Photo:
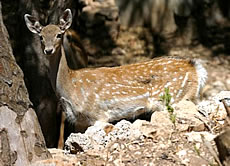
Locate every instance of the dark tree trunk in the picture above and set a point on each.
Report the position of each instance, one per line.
(21, 139)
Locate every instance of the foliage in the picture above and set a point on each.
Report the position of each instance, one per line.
(166, 99)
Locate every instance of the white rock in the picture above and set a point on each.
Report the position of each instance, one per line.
(182, 153)
(214, 109)
(187, 117)
(196, 136)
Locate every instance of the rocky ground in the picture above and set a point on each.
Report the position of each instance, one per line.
(158, 141)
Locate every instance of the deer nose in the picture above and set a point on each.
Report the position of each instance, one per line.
(48, 51)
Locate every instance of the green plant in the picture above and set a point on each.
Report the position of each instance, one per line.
(197, 150)
(166, 99)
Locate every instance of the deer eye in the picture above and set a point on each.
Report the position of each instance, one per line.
(59, 36)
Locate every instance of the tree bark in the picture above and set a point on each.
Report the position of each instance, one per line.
(21, 139)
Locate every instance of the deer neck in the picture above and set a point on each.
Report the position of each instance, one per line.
(58, 66)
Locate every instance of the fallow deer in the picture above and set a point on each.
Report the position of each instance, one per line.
(77, 58)
(110, 94)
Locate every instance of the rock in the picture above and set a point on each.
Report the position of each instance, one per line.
(223, 95)
(206, 107)
(78, 140)
(159, 127)
(214, 108)
(146, 128)
(162, 118)
(99, 136)
(56, 152)
(162, 123)
(183, 155)
(187, 117)
(196, 136)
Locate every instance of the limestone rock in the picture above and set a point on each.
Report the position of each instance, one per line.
(146, 128)
(196, 136)
(223, 95)
(99, 136)
(214, 108)
(187, 117)
(161, 122)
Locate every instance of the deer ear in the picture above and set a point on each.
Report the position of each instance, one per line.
(65, 20)
(32, 24)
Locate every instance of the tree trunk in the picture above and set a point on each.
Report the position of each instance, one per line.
(21, 139)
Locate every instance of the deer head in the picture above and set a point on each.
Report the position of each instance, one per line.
(50, 35)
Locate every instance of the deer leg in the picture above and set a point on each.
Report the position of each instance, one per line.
(62, 128)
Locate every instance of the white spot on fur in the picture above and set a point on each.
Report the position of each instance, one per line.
(87, 80)
(174, 79)
(136, 71)
(116, 93)
(94, 74)
(108, 85)
(156, 92)
(181, 77)
(185, 80)
(140, 96)
(168, 84)
(124, 93)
